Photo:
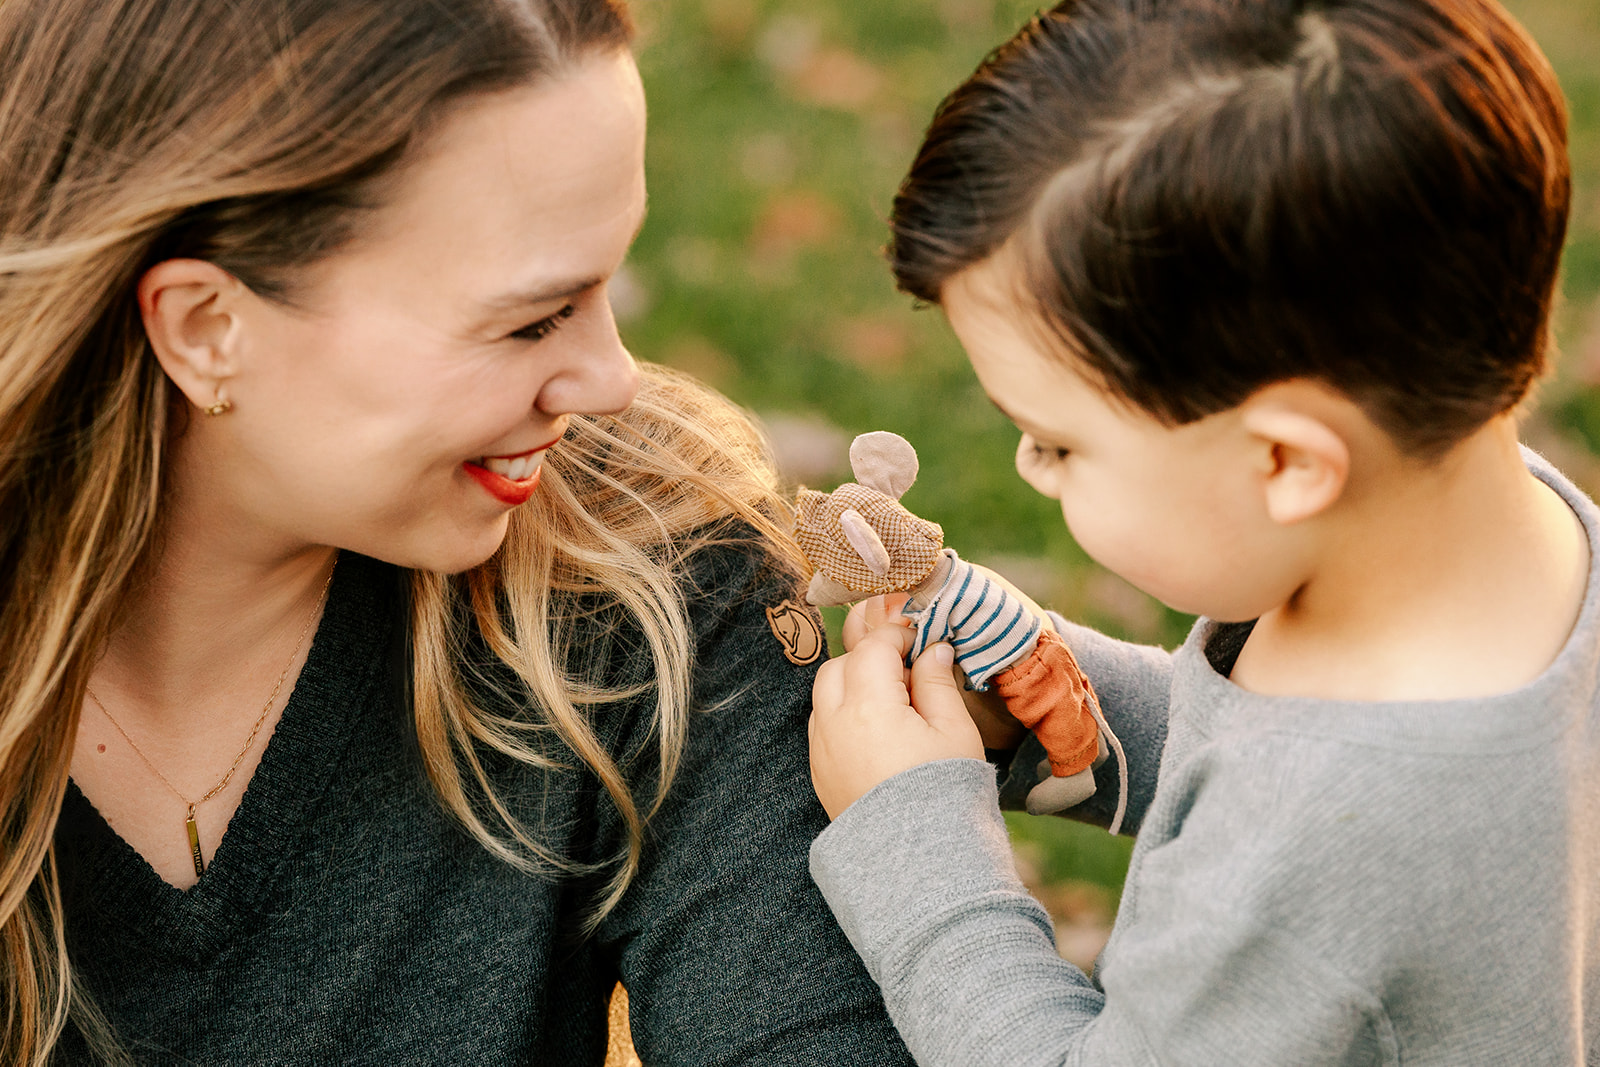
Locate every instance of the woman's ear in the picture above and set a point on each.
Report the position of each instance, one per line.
(1304, 459)
(191, 313)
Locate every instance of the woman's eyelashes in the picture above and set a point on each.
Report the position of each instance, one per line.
(538, 331)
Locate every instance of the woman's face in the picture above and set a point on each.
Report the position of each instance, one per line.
(400, 405)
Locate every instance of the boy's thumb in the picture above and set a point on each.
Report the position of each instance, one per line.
(934, 692)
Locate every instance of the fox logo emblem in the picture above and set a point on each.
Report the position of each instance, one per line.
(797, 632)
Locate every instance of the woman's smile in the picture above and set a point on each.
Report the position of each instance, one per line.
(510, 479)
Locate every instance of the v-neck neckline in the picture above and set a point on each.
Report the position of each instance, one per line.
(344, 672)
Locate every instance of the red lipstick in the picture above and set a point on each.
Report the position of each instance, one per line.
(503, 489)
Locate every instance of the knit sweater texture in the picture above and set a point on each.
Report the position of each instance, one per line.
(346, 919)
(1315, 882)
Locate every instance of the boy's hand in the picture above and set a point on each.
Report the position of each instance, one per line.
(872, 719)
(998, 728)
(871, 613)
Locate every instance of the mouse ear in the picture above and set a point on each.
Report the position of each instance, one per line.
(864, 539)
(884, 461)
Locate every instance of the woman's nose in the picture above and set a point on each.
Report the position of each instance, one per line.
(610, 381)
(600, 377)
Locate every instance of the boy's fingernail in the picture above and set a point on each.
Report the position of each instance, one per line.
(943, 655)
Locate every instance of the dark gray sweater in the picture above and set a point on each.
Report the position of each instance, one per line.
(345, 919)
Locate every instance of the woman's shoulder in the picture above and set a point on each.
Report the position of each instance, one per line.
(728, 565)
(749, 616)
(744, 605)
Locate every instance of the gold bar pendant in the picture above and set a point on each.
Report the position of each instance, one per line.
(194, 843)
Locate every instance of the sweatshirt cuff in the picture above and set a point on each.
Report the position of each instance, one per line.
(925, 837)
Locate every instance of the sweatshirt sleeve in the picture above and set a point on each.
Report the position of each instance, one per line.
(727, 949)
(1133, 684)
(920, 875)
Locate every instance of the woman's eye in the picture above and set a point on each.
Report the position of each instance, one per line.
(538, 331)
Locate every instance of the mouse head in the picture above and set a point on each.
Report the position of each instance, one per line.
(859, 538)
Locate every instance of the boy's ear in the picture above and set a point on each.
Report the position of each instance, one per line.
(191, 312)
(1304, 459)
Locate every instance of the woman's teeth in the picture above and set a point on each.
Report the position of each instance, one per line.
(515, 469)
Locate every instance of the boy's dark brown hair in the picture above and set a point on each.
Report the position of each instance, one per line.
(1207, 196)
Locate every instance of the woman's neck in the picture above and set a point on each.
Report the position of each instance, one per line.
(1453, 580)
(192, 684)
(212, 625)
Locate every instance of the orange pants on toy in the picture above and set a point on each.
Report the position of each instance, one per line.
(1047, 692)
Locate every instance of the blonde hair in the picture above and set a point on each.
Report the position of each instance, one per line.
(255, 135)
(625, 500)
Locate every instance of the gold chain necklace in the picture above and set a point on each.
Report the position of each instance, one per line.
(249, 743)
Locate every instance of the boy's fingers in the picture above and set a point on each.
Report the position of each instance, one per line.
(887, 609)
(872, 613)
(872, 675)
(895, 634)
(887, 644)
(855, 625)
(827, 688)
(935, 694)
(874, 671)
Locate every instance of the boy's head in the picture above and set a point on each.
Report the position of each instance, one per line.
(1205, 197)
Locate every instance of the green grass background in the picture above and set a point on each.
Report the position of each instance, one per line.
(779, 130)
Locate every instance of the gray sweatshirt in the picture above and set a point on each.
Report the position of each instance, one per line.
(1315, 882)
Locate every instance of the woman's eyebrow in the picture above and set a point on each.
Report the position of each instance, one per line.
(541, 294)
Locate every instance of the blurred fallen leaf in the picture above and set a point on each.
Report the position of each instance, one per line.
(965, 16)
(892, 136)
(631, 298)
(824, 75)
(694, 259)
(834, 77)
(794, 220)
(877, 342)
(731, 22)
(788, 42)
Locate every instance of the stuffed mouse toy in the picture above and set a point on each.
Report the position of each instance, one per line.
(863, 542)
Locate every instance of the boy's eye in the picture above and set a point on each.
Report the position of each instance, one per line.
(1047, 453)
(538, 331)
